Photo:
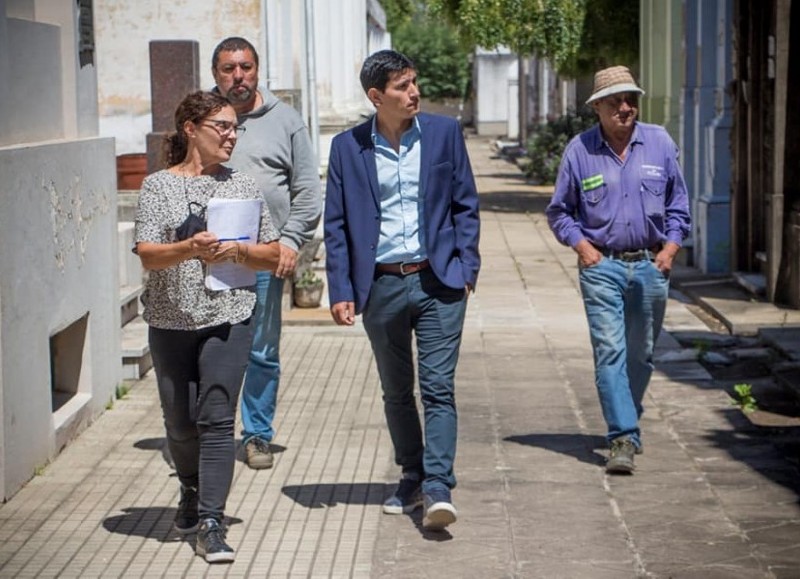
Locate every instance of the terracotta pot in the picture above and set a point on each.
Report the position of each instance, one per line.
(131, 170)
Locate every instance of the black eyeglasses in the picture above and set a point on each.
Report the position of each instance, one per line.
(226, 127)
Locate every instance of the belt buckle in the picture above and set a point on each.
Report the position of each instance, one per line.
(402, 266)
(636, 255)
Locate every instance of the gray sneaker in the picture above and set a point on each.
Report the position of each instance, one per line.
(259, 454)
(620, 459)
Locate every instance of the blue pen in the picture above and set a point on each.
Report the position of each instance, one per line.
(244, 237)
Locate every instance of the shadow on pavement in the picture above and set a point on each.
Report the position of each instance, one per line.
(159, 444)
(772, 452)
(515, 202)
(582, 447)
(316, 496)
(150, 523)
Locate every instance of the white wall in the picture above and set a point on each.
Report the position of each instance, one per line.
(33, 111)
(494, 72)
(123, 33)
(58, 213)
(59, 199)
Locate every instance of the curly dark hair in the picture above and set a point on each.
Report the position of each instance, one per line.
(194, 107)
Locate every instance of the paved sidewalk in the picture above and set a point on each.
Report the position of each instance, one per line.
(712, 497)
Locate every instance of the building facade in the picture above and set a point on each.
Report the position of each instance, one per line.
(321, 67)
(719, 76)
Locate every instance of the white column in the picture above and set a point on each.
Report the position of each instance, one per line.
(341, 47)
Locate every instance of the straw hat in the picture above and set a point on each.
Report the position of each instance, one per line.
(613, 80)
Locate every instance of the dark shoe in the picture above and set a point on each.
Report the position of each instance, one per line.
(405, 499)
(439, 509)
(186, 518)
(620, 459)
(211, 543)
(259, 454)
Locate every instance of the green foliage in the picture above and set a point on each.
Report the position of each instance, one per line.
(434, 45)
(547, 143)
(577, 36)
(610, 36)
(308, 279)
(550, 29)
(443, 67)
(122, 390)
(399, 12)
(744, 399)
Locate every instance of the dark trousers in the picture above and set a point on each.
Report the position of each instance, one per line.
(199, 376)
(418, 303)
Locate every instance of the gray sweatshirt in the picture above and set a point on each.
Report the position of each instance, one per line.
(276, 151)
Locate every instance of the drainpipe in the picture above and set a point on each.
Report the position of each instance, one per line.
(311, 64)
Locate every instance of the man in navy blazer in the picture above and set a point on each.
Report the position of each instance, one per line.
(401, 236)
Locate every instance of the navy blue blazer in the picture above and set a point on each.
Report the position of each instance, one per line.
(352, 209)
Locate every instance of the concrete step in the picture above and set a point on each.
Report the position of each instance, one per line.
(131, 272)
(136, 358)
(129, 302)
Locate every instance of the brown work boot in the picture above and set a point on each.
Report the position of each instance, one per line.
(259, 454)
(620, 460)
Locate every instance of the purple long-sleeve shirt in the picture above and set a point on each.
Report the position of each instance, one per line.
(621, 205)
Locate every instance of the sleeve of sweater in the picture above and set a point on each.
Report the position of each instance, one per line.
(306, 197)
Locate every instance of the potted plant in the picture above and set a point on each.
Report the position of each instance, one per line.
(308, 289)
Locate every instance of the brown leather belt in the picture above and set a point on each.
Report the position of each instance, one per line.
(403, 268)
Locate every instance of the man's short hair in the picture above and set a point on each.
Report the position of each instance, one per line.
(380, 66)
(232, 44)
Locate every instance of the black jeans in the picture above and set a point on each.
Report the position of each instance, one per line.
(199, 376)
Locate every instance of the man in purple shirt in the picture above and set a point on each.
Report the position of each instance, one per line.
(620, 202)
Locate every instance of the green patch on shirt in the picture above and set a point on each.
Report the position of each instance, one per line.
(592, 182)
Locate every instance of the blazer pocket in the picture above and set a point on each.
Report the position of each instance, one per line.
(442, 172)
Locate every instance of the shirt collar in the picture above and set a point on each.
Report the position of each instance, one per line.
(415, 129)
(598, 142)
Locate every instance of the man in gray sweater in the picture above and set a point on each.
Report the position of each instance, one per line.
(275, 149)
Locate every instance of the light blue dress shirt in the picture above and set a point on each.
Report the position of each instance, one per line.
(402, 236)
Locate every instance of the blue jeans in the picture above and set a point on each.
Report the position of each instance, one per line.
(625, 304)
(260, 390)
(419, 303)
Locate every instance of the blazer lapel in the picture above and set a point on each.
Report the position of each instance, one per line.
(426, 142)
(363, 134)
(371, 168)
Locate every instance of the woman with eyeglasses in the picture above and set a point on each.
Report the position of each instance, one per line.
(199, 338)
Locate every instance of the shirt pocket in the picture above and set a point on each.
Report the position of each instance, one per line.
(594, 195)
(653, 189)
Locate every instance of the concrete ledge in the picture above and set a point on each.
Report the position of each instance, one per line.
(71, 419)
(129, 303)
(136, 358)
(739, 310)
